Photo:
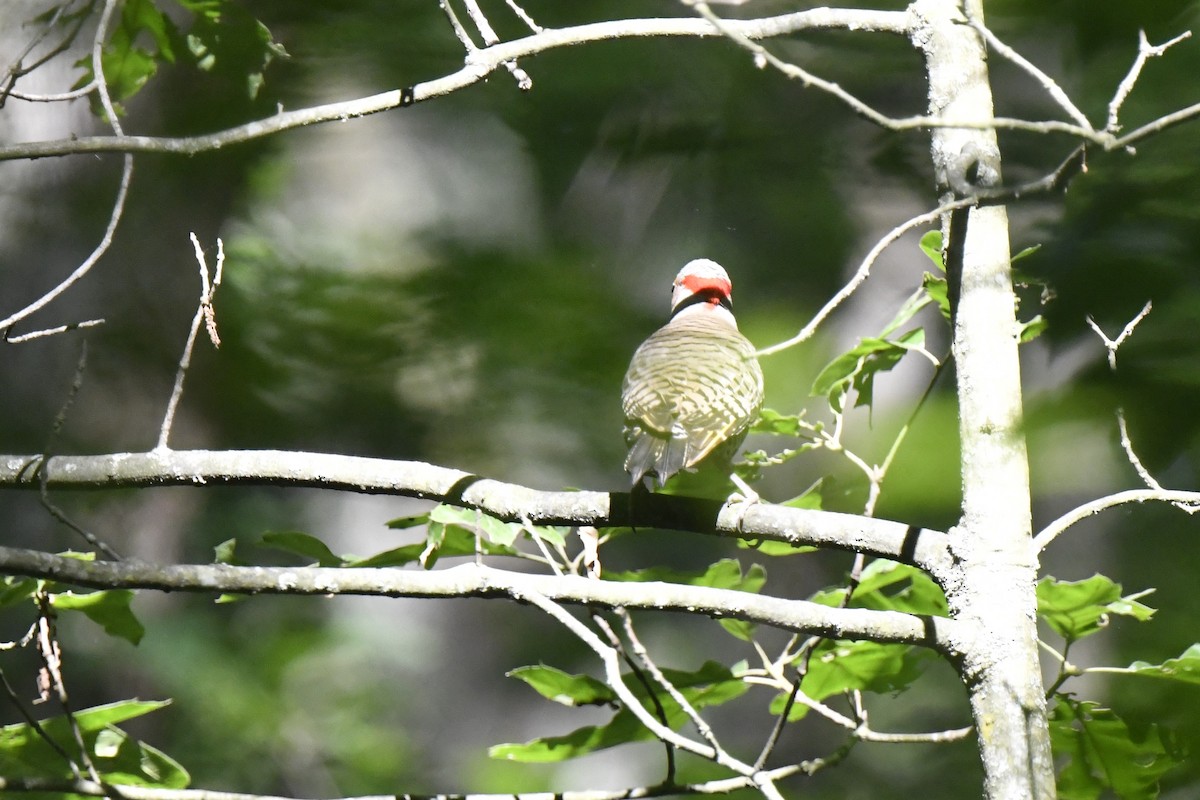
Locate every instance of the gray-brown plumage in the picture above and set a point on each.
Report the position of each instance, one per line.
(694, 387)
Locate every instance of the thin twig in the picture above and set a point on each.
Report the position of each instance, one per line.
(524, 16)
(71, 326)
(205, 314)
(1146, 51)
(100, 249)
(51, 655)
(1049, 84)
(524, 82)
(703, 728)
(640, 674)
(863, 271)
(457, 26)
(56, 427)
(1112, 345)
(36, 726)
(1188, 501)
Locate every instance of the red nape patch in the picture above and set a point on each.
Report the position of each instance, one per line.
(697, 284)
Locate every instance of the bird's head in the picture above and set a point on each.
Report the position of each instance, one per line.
(702, 286)
(701, 282)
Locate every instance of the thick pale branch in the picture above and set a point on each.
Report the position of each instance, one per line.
(478, 65)
(475, 580)
(129, 792)
(920, 547)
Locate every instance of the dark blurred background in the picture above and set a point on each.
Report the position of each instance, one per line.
(463, 282)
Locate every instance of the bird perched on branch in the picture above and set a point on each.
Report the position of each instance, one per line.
(694, 387)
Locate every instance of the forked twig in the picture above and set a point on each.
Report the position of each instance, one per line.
(205, 314)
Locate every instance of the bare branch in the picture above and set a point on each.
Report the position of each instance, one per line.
(479, 64)
(1178, 498)
(864, 270)
(1112, 345)
(90, 261)
(524, 82)
(920, 547)
(477, 580)
(57, 329)
(1146, 51)
(1049, 84)
(524, 16)
(1157, 126)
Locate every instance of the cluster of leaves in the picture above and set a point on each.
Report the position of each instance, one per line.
(47, 750)
(1100, 751)
(223, 37)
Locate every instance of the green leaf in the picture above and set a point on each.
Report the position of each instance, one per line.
(226, 553)
(561, 687)
(931, 245)
(1028, 251)
(724, 574)
(713, 684)
(1033, 328)
(478, 523)
(938, 291)
(857, 367)
(450, 541)
(771, 421)
(839, 666)
(404, 523)
(1075, 609)
(226, 39)
(917, 301)
(108, 609)
(914, 591)
(15, 590)
(1185, 669)
(303, 545)
(396, 557)
(118, 758)
(1103, 754)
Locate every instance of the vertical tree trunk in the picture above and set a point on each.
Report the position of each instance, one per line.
(992, 541)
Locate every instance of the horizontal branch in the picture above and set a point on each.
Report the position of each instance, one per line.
(131, 792)
(923, 548)
(479, 63)
(476, 580)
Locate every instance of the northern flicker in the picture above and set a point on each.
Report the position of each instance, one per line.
(694, 387)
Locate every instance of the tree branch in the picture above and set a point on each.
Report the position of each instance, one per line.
(478, 64)
(130, 792)
(920, 547)
(1185, 501)
(477, 580)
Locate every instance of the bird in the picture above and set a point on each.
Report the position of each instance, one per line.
(694, 387)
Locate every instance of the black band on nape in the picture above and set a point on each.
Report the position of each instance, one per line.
(714, 296)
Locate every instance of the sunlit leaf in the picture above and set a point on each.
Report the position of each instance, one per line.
(1184, 669)
(118, 757)
(1033, 328)
(771, 421)
(858, 366)
(889, 586)
(931, 245)
(938, 291)
(562, 687)
(713, 684)
(1075, 609)
(109, 609)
